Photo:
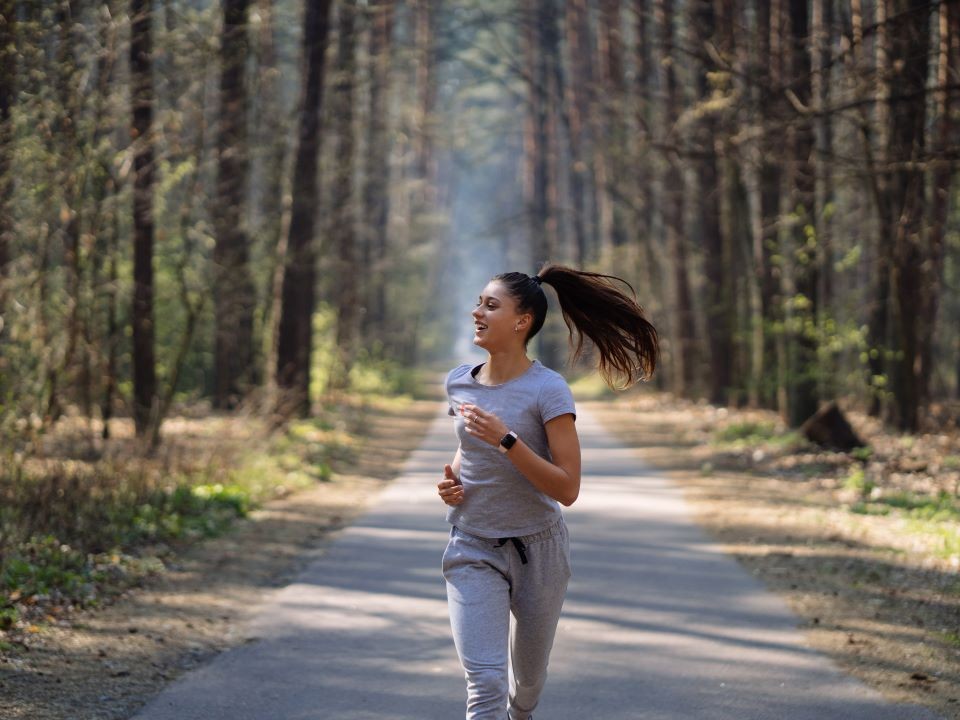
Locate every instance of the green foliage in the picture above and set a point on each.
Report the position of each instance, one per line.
(749, 432)
(858, 482)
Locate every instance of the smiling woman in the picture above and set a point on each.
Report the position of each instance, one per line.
(518, 461)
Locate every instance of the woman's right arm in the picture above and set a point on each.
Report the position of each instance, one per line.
(449, 488)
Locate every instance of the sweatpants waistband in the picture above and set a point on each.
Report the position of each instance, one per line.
(555, 528)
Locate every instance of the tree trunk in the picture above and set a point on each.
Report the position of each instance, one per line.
(948, 66)
(376, 192)
(613, 84)
(683, 346)
(909, 48)
(702, 23)
(141, 80)
(8, 76)
(878, 324)
(578, 118)
(801, 308)
(233, 289)
(343, 231)
(299, 293)
(426, 81)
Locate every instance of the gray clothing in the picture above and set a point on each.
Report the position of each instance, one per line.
(486, 581)
(498, 500)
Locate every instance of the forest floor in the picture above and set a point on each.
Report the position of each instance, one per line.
(866, 553)
(104, 663)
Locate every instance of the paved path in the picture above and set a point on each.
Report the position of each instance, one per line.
(658, 624)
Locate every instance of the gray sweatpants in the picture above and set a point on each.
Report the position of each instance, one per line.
(486, 582)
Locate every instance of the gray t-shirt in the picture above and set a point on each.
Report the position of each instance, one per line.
(498, 500)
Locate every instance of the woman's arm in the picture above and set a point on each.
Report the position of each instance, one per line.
(559, 479)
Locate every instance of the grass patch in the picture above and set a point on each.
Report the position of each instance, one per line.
(750, 433)
(75, 532)
(934, 516)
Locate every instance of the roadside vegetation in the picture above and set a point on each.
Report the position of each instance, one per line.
(82, 520)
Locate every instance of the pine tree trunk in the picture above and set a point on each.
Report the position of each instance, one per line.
(376, 194)
(909, 47)
(141, 80)
(683, 347)
(613, 83)
(702, 23)
(578, 118)
(8, 75)
(233, 289)
(948, 66)
(346, 276)
(801, 309)
(298, 294)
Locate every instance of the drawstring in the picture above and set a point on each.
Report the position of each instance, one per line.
(518, 544)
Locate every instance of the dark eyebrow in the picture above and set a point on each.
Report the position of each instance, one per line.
(491, 297)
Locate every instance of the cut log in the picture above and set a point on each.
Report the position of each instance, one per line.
(829, 428)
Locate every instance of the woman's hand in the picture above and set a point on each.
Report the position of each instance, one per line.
(450, 489)
(482, 424)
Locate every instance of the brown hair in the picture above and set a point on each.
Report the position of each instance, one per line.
(593, 305)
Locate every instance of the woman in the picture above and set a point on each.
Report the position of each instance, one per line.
(518, 461)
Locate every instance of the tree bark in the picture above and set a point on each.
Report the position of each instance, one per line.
(346, 276)
(702, 23)
(683, 346)
(613, 83)
(909, 47)
(142, 94)
(8, 76)
(578, 120)
(376, 192)
(801, 308)
(948, 65)
(298, 294)
(233, 289)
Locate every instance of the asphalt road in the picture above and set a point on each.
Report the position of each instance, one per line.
(659, 624)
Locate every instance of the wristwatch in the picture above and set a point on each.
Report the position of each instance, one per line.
(507, 441)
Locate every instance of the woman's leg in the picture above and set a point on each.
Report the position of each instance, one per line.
(478, 595)
(539, 589)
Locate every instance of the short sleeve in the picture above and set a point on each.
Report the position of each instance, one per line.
(452, 377)
(556, 399)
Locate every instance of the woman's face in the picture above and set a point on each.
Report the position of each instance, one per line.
(496, 319)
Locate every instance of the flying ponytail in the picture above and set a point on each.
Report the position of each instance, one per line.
(593, 306)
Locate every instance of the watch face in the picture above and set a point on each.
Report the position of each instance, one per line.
(508, 440)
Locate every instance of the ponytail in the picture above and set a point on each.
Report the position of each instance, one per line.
(593, 305)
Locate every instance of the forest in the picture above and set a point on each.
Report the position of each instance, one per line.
(238, 237)
(244, 202)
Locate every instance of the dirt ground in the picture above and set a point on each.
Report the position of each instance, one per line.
(105, 664)
(870, 593)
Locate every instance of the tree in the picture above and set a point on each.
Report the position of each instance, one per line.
(376, 197)
(298, 294)
(141, 130)
(232, 282)
(346, 274)
(683, 348)
(8, 75)
(909, 42)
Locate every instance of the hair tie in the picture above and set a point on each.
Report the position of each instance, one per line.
(537, 279)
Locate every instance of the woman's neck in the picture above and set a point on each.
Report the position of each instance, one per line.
(503, 367)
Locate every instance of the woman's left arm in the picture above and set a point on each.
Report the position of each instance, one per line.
(559, 479)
